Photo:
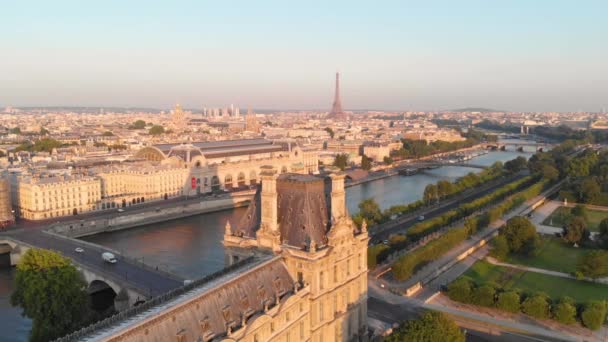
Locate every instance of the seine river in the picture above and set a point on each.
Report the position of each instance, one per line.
(191, 247)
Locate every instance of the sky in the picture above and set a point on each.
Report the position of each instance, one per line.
(518, 55)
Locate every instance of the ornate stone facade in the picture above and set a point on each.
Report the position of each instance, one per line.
(309, 283)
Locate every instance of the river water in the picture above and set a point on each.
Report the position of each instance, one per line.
(191, 247)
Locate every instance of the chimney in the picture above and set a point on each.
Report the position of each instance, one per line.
(338, 196)
(269, 198)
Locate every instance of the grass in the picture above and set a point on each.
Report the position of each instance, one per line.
(529, 282)
(556, 219)
(554, 254)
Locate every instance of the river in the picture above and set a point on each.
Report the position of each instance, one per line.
(191, 247)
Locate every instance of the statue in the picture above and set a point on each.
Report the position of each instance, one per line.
(364, 226)
(228, 228)
(313, 246)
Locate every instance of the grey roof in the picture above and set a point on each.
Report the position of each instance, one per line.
(303, 209)
(213, 306)
(210, 145)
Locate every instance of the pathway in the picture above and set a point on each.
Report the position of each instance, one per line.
(542, 271)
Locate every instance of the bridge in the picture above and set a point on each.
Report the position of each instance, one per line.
(131, 281)
(413, 168)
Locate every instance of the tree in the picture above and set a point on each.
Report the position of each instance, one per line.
(604, 228)
(341, 161)
(156, 130)
(564, 311)
(589, 190)
(500, 248)
(431, 326)
(51, 292)
(520, 234)
(370, 211)
(550, 172)
(594, 315)
(536, 306)
(366, 163)
(444, 188)
(430, 193)
(593, 264)
(139, 124)
(461, 290)
(387, 160)
(15, 130)
(516, 164)
(484, 295)
(330, 131)
(508, 301)
(107, 134)
(44, 131)
(576, 230)
(580, 211)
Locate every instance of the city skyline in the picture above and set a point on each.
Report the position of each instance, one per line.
(525, 57)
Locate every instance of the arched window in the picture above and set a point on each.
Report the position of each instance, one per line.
(284, 169)
(253, 177)
(228, 181)
(215, 183)
(241, 179)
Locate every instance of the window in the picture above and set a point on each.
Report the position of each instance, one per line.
(321, 279)
(301, 330)
(335, 273)
(348, 267)
(271, 327)
(321, 312)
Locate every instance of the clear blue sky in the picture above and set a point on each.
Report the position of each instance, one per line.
(529, 55)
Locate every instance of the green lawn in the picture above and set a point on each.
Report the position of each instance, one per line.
(529, 282)
(593, 220)
(554, 255)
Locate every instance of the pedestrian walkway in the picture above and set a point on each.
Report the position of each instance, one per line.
(493, 261)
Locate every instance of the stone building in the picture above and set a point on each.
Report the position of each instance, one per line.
(230, 164)
(6, 214)
(42, 197)
(298, 273)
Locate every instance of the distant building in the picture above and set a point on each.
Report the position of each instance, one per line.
(178, 118)
(6, 210)
(431, 135)
(337, 113)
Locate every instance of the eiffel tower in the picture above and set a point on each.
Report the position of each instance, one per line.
(336, 109)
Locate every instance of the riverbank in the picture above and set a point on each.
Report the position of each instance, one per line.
(125, 220)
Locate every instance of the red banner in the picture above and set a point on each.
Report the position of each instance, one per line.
(193, 183)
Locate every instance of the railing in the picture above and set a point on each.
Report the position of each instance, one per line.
(156, 301)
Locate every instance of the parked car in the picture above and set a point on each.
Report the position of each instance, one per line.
(421, 218)
(79, 250)
(121, 210)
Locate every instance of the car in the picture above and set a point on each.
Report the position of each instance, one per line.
(385, 242)
(121, 210)
(79, 250)
(421, 218)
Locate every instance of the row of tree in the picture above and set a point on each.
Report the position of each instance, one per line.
(405, 266)
(566, 311)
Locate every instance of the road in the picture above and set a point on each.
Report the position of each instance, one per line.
(383, 231)
(143, 279)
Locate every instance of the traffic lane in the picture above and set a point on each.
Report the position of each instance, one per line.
(385, 234)
(123, 271)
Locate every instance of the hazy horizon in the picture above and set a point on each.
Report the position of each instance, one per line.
(392, 55)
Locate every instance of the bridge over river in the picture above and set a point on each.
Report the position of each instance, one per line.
(131, 279)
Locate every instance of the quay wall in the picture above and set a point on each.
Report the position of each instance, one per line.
(126, 220)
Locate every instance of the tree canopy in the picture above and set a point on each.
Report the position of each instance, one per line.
(341, 161)
(51, 292)
(366, 163)
(431, 326)
(520, 235)
(156, 130)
